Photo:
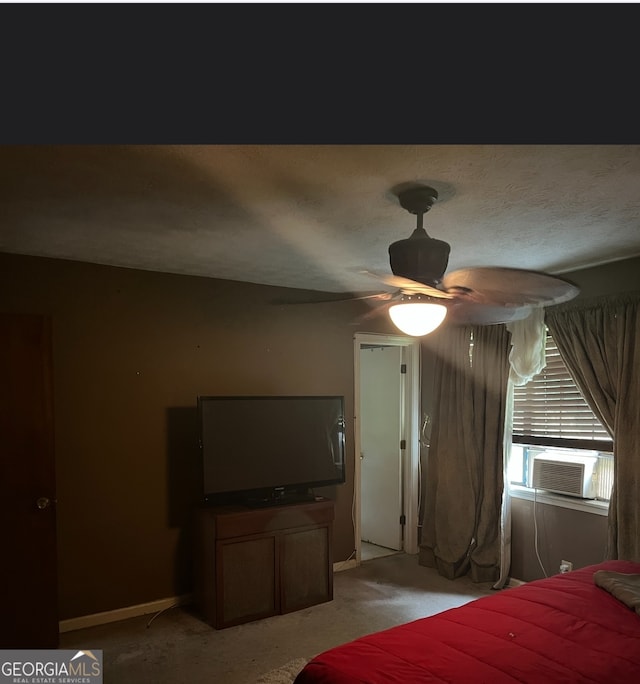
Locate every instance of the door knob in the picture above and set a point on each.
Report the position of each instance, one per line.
(43, 502)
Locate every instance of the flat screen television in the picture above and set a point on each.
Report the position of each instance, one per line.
(268, 450)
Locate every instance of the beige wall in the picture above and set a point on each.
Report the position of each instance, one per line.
(616, 277)
(563, 534)
(132, 350)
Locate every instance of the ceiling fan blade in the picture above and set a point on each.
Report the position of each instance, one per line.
(510, 287)
(470, 313)
(373, 312)
(409, 286)
(378, 296)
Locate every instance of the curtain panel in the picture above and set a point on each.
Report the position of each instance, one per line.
(599, 343)
(526, 359)
(461, 526)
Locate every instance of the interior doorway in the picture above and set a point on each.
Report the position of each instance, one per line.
(387, 409)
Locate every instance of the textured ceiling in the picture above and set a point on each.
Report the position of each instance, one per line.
(312, 216)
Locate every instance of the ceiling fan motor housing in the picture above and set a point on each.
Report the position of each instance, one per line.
(420, 258)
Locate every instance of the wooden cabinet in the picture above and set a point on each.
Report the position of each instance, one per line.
(254, 563)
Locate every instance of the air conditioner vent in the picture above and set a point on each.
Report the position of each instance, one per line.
(565, 474)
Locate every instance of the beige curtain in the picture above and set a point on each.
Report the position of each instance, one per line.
(526, 359)
(599, 342)
(461, 530)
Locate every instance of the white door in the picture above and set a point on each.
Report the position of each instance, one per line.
(381, 410)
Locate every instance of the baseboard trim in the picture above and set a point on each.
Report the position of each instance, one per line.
(96, 619)
(345, 565)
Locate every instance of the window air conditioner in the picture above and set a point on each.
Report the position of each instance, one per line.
(565, 474)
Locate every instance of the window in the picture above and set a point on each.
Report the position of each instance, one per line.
(551, 416)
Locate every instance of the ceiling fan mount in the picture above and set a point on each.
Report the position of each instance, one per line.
(418, 199)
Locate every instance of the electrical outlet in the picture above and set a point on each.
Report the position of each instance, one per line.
(566, 566)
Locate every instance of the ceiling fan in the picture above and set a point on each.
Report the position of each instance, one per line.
(426, 294)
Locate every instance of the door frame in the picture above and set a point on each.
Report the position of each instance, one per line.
(411, 457)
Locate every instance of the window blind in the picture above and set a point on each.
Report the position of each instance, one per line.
(550, 410)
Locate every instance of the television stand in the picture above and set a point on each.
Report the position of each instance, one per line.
(279, 500)
(252, 563)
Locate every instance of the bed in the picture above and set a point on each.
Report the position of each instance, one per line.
(565, 628)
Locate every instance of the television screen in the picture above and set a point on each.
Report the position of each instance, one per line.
(264, 448)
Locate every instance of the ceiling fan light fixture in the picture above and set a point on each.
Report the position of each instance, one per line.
(416, 315)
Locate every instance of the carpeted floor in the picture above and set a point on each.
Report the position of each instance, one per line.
(284, 674)
(178, 646)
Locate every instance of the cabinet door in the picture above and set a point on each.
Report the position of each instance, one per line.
(247, 580)
(305, 568)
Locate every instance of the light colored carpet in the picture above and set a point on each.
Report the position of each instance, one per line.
(179, 646)
(285, 674)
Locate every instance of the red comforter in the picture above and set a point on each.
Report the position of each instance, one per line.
(560, 629)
